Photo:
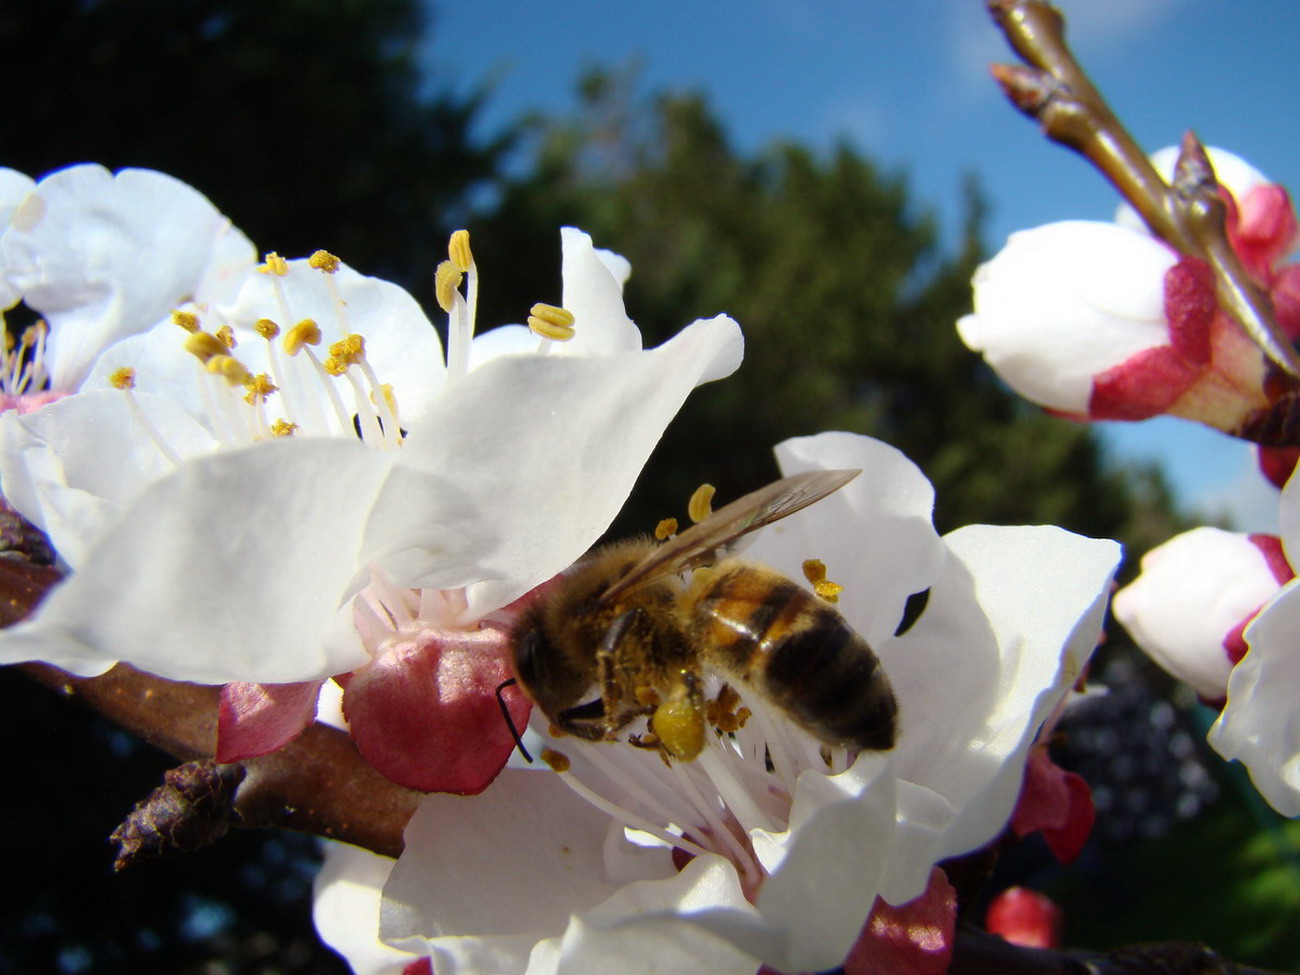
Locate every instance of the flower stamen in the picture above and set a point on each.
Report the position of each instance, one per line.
(552, 323)
(701, 504)
(124, 379)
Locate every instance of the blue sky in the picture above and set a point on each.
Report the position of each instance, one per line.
(907, 83)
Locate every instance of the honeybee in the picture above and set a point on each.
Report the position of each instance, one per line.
(623, 635)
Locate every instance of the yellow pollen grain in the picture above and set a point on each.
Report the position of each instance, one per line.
(186, 320)
(324, 261)
(205, 345)
(701, 504)
(558, 761)
(266, 328)
(283, 428)
(259, 388)
(275, 264)
(335, 366)
(306, 332)
(230, 368)
(227, 336)
(446, 282)
(123, 378)
(459, 252)
(666, 529)
(551, 322)
(814, 570)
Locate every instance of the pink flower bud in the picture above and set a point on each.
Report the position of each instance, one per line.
(1194, 597)
(1064, 303)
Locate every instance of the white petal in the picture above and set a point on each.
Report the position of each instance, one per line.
(514, 862)
(1064, 302)
(1259, 725)
(110, 255)
(1194, 590)
(547, 448)
(235, 567)
(1044, 593)
(505, 340)
(14, 187)
(685, 923)
(74, 466)
(594, 294)
(839, 842)
(345, 909)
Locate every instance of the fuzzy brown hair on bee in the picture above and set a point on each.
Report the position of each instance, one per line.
(624, 635)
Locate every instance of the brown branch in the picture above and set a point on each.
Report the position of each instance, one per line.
(979, 953)
(1070, 110)
(318, 783)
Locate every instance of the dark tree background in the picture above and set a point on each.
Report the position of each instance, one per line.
(310, 124)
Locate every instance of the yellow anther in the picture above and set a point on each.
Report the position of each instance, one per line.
(123, 378)
(275, 264)
(31, 334)
(551, 322)
(446, 282)
(324, 261)
(814, 570)
(335, 366)
(259, 388)
(266, 328)
(306, 332)
(350, 349)
(283, 428)
(186, 320)
(231, 368)
(205, 345)
(701, 504)
(459, 252)
(558, 761)
(227, 336)
(666, 529)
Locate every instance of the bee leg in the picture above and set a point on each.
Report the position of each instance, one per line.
(606, 659)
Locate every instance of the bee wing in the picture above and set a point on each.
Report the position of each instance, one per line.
(699, 544)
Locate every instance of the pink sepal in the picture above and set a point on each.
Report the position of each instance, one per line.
(914, 939)
(1265, 229)
(425, 711)
(1025, 917)
(255, 719)
(1056, 803)
(1277, 463)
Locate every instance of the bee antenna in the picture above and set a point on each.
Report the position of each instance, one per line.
(510, 722)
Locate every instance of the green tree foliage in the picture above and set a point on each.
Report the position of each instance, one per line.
(305, 121)
(846, 298)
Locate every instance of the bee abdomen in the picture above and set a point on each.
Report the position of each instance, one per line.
(804, 657)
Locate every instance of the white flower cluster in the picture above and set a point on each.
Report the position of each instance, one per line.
(220, 495)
